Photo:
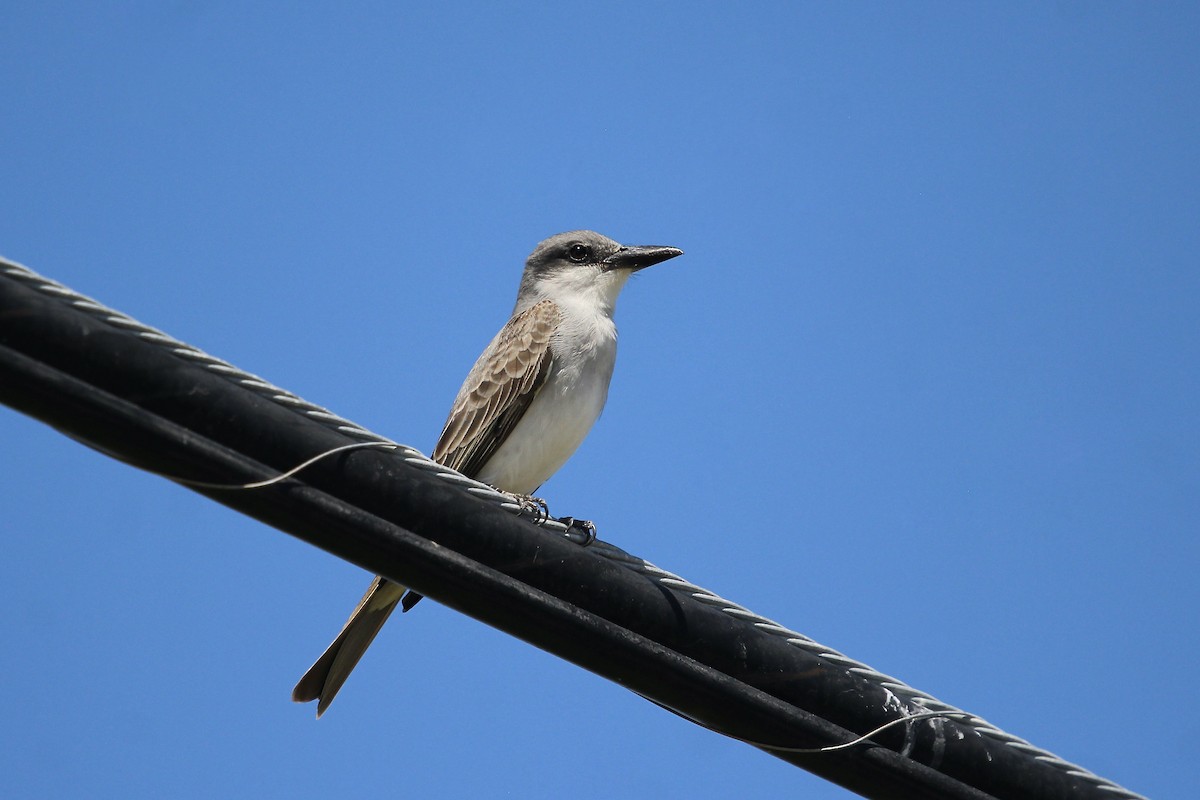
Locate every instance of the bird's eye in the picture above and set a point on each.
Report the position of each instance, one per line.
(579, 252)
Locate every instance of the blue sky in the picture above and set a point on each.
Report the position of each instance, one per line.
(925, 386)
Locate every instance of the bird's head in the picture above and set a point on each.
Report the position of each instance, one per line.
(585, 267)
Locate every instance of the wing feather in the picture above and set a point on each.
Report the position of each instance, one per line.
(499, 389)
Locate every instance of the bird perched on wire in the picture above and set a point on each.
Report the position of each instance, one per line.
(525, 406)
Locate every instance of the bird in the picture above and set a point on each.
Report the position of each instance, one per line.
(524, 408)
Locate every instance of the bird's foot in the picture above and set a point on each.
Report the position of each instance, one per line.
(535, 507)
(580, 531)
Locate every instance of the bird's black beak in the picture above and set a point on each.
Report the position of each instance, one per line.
(639, 257)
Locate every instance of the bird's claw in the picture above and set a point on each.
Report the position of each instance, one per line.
(585, 526)
(535, 507)
(580, 531)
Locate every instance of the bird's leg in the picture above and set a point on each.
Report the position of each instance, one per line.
(584, 526)
(537, 508)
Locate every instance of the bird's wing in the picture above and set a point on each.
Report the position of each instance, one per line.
(499, 389)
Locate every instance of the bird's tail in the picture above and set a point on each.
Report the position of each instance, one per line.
(326, 676)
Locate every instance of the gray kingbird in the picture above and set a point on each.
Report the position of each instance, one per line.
(525, 407)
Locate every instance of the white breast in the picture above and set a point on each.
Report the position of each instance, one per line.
(570, 402)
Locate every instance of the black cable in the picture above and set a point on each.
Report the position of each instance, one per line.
(124, 392)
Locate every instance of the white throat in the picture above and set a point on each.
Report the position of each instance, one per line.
(577, 290)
